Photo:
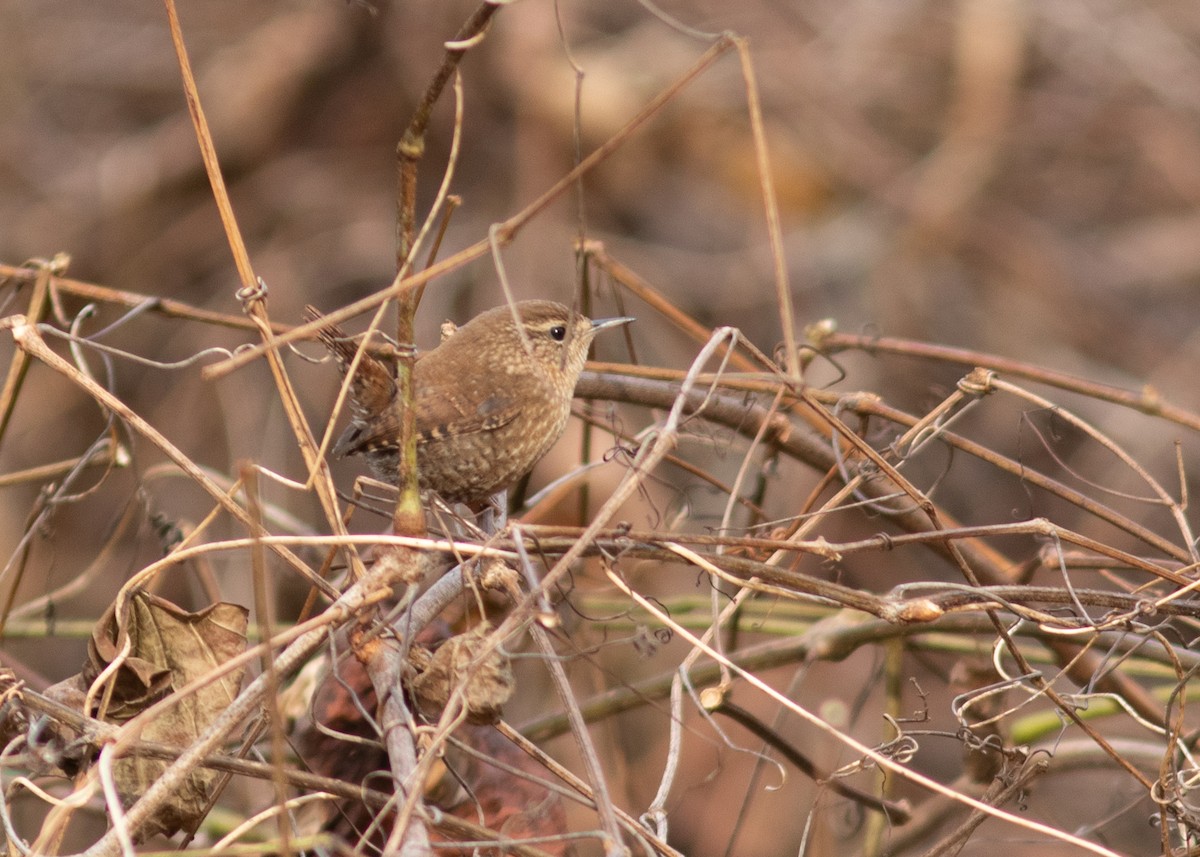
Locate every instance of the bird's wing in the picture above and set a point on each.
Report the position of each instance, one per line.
(457, 396)
(437, 418)
(441, 415)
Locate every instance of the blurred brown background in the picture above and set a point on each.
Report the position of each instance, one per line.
(1018, 177)
(1008, 175)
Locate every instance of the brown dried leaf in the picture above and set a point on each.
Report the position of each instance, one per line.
(490, 685)
(14, 719)
(474, 790)
(169, 648)
(515, 806)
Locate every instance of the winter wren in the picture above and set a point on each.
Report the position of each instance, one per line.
(490, 400)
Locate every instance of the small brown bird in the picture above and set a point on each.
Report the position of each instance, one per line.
(490, 401)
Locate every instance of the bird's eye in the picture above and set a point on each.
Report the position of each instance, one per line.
(558, 333)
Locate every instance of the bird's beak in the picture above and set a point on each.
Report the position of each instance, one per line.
(600, 324)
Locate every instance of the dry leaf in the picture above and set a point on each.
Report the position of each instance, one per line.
(474, 790)
(516, 806)
(489, 686)
(14, 719)
(169, 648)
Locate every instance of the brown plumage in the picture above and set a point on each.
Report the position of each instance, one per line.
(489, 402)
